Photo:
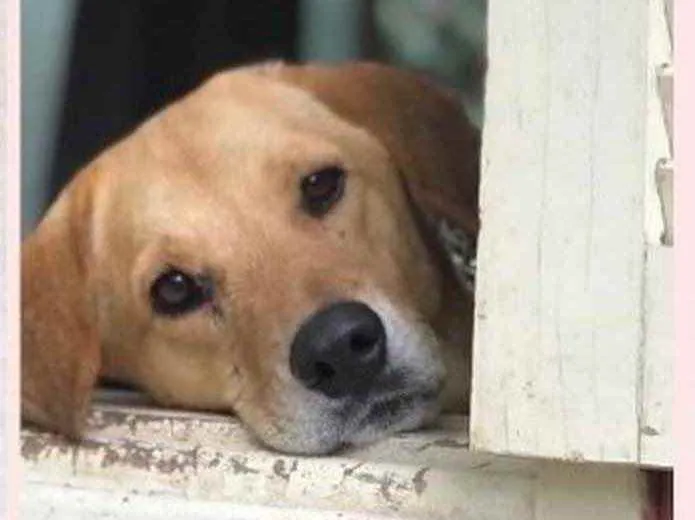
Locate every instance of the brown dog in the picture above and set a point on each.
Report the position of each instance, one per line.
(260, 247)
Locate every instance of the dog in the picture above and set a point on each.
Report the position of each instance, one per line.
(263, 247)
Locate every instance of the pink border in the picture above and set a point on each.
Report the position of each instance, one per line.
(684, 191)
(12, 214)
(684, 122)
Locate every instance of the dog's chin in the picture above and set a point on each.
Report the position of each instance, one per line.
(391, 414)
(355, 424)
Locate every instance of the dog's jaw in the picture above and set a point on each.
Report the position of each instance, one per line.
(405, 397)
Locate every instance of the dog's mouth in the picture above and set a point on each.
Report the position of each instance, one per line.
(387, 409)
(323, 426)
(397, 413)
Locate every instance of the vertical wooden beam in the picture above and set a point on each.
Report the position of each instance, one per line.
(657, 443)
(559, 332)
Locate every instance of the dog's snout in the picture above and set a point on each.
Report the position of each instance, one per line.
(339, 350)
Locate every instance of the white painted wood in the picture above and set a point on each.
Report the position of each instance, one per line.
(557, 365)
(655, 426)
(668, 9)
(49, 502)
(657, 441)
(157, 464)
(659, 117)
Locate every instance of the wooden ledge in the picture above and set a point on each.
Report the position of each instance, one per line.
(138, 461)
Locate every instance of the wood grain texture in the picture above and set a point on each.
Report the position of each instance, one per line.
(557, 365)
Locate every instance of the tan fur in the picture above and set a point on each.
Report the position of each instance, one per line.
(210, 184)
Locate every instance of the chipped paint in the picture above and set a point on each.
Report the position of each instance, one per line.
(209, 459)
(446, 443)
(240, 466)
(148, 458)
(649, 431)
(283, 471)
(40, 445)
(419, 482)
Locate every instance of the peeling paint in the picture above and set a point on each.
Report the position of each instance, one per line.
(282, 472)
(148, 458)
(240, 466)
(649, 431)
(351, 469)
(387, 483)
(419, 482)
(36, 446)
(445, 443)
(214, 461)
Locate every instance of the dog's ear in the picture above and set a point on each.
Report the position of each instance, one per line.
(422, 125)
(60, 349)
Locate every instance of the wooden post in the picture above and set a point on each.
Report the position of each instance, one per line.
(559, 338)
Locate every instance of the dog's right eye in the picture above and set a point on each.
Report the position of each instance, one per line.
(322, 189)
(175, 292)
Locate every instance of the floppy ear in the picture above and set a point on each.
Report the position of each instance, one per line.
(60, 349)
(423, 126)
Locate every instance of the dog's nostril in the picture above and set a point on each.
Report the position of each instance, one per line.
(340, 350)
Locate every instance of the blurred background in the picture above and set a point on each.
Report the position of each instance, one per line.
(94, 69)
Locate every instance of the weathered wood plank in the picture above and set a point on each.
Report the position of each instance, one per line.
(560, 260)
(657, 443)
(145, 463)
(656, 434)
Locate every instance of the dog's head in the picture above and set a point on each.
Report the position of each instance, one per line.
(259, 247)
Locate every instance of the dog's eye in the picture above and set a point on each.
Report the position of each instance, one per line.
(322, 189)
(174, 292)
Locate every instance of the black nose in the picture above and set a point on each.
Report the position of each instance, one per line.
(340, 350)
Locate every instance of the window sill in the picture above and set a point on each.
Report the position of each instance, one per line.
(138, 461)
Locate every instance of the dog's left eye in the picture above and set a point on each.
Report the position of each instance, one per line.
(322, 189)
(175, 292)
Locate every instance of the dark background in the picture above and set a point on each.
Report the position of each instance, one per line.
(121, 60)
(130, 58)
